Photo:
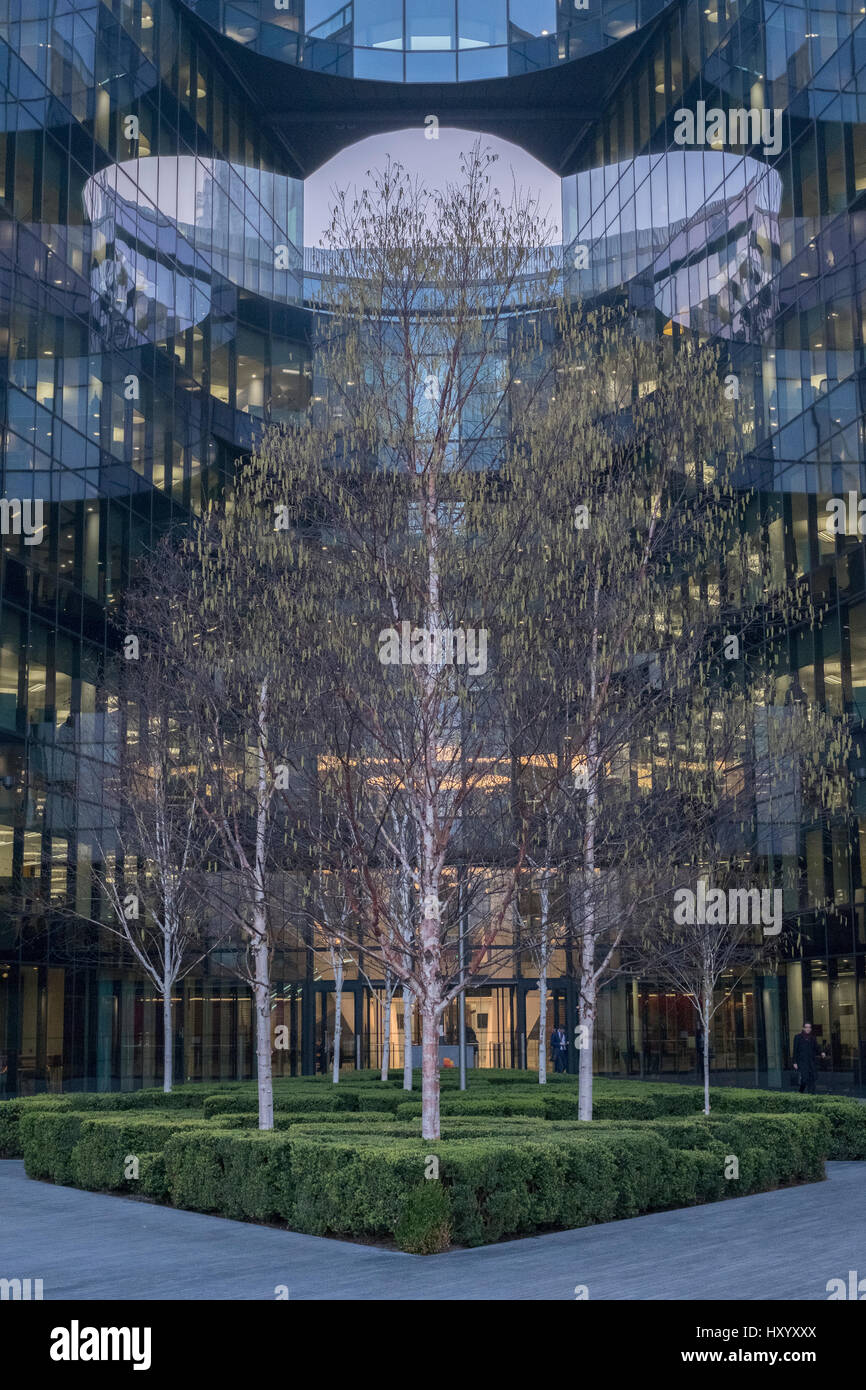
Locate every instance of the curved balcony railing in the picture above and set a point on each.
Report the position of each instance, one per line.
(411, 41)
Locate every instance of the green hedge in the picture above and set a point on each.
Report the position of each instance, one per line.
(563, 1105)
(100, 1158)
(496, 1188)
(47, 1140)
(242, 1174)
(152, 1179)
(10, 1119)
(312, 1119)
(299, 1101)
(86, 1150)
(365, 1173)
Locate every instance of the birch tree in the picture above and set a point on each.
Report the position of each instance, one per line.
(722, 914)
(545, 864)
(653, 585)
(389, 469)
(205, 602)
(149, 881)
(143, 885)
(510, 529)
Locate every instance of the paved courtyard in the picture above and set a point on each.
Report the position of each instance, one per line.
(772, 1246)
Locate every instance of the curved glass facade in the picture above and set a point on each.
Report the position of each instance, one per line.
(699, 231)
(154, 307)
(427, 40)
(146, 324)
(758, 243)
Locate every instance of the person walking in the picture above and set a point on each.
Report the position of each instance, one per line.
(558, 1048)
(806, 1059)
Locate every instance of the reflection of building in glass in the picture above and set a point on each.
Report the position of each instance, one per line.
(428, 40)
(147, 325)
(696, 237)
(169, 219)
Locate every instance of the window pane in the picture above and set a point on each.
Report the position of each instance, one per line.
(429, 25)
(481, 23)
(379, 63)
(533, 16)
(378, 24)
(475, 63)
(431, 67)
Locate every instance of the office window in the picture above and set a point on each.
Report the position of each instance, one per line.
(481, 23)
(532, 16)
(378, 24)
(430, 26)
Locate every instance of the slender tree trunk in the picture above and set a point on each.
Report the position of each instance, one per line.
(386, 1028)
(429, 1075)
(542, 987)
(588, 1003)
(436, 730)
(262, 998)
(705, 1025)
(408, 1004)
(167, 1040)
(542, 1026)
(261, 949)
(338, 1018)
(430, 963)
(588, 979)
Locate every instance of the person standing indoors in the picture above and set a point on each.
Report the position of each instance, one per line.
(806, 1059)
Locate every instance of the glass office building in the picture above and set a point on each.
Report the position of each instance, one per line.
(153, 313)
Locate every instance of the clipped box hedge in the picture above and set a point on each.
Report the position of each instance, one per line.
(347, 1160)
(83, 1149)
(299, 1101)
(238, 1173)
(10, 1119)
(563, 1105)
(47, 1138)
(494, 1185)
(101, 1155)
(309, 1119)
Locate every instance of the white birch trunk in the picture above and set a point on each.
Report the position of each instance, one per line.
(430, 962)
(262, 998)
(408, 1005)
(589, 925)
(542, 985)
(261, 949)
(386, 1027)
(587, 1023)
(430, 931)
(167, 1040)
(338, 1014)
(429, 1075)
(706, 1005)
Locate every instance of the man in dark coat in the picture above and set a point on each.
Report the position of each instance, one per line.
(806, 1059)
(558, 1047)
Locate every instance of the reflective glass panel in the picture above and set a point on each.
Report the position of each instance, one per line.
(430, 25)
(431, 67)
(476, 63)
(481, 23)
(536, 16)
(378, 24)
(382, 63)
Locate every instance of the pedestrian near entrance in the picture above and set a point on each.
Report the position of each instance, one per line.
(806, 1059)
(559, 1048)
